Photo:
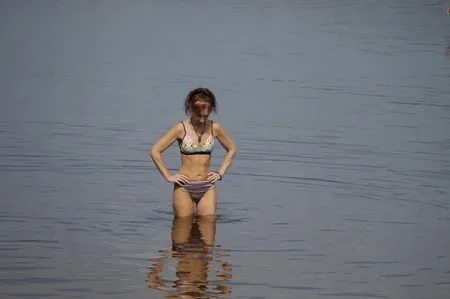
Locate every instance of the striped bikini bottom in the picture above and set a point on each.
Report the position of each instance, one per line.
(197, 188)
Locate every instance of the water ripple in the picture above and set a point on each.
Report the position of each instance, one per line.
(339, 186)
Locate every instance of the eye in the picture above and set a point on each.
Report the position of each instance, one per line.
(202, 107)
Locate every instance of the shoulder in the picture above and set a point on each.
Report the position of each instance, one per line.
(178, 126)
(177, 129)
(218, 128)
(216, 124)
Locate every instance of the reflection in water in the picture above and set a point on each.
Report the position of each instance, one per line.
(199, 268)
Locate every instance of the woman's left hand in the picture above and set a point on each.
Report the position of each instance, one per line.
(214, 176)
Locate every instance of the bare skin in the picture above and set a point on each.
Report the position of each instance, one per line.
(194, 167)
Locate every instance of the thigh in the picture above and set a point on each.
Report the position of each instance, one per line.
(208, 203)
(182, 202)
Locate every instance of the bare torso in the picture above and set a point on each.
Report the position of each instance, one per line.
(195, 167)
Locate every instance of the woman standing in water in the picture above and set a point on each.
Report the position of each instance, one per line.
(196, 136)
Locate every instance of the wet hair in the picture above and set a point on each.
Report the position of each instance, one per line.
(199, 94)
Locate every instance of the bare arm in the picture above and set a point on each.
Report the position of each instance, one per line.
(161, 145)
(228, 145)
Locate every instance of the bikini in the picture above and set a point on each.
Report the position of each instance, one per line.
(188, 147)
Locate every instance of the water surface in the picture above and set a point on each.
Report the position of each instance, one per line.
(340, 112)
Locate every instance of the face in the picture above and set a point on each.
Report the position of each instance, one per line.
(201, 110)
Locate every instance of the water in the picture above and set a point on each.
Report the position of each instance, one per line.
(340, 112)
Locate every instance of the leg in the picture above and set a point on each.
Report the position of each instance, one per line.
(208, 203)
(207, 227)
(181, 230)
(182, 203)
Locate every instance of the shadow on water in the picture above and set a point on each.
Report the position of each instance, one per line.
(200, 271)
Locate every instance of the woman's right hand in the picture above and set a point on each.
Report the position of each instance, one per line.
(178, 179)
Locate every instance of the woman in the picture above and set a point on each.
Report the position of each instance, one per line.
(194, 182)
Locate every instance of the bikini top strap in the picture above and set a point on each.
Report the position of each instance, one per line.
(212, 130)
(184, 127)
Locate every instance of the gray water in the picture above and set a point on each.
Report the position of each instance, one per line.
(340, 111)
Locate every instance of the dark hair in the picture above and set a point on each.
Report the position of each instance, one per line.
(200, 94)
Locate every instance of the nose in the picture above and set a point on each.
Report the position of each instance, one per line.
(205, 110)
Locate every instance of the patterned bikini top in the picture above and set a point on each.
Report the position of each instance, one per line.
(189, 147)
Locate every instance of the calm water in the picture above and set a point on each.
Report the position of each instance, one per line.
(340, 111)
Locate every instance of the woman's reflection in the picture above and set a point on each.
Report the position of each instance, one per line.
(200, 269)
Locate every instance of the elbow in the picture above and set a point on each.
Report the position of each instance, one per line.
(232, 152)
(154, 152)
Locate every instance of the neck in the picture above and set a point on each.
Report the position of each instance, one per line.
(198, 126)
